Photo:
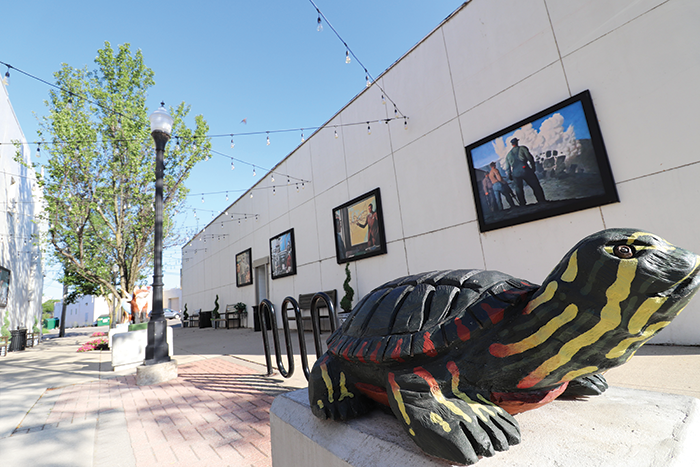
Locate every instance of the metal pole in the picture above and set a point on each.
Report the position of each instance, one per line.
(157, 347)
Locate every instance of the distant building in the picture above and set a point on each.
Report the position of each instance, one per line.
(21, 202)
(84, 312)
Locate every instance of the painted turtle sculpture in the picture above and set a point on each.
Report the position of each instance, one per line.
(456, 353)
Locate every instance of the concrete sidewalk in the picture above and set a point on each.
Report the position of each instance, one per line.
(63, 408)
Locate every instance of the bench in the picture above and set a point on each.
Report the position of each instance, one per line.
(194, 318)
(232, 317)
(305, 307)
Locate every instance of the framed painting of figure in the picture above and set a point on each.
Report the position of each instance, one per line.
(4, 286)
(549, 164)
(244, 275)
(283, 255)
(359, 228)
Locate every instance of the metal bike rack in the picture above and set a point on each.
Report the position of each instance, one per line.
(266, 307)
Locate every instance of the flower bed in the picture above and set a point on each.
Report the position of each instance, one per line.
(98, 344)
(98, 334)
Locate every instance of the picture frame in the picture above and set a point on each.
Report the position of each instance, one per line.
(359, 228)
(571, 166)
(283, 255)
(244, 273)
(5, 277)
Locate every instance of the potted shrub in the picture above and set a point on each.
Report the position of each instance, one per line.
(185, 317)
(346, 301)
(5, 336)
(242, 311)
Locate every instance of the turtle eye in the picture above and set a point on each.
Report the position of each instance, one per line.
(624, 251)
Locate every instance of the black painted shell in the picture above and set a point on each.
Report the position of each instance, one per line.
(424, 314)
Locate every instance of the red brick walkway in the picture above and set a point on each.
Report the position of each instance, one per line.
(215, 413)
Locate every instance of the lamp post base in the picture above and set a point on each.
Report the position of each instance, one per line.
(146, 375)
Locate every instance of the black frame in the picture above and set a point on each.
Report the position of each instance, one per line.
(277, 257)
(570, 183)
(342, 230)
(244, 256)
(5, 275)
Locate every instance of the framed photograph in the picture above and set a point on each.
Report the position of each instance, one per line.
(4, 286)
(244, 274)
(549, 164)
(283, 255)
(359, 228)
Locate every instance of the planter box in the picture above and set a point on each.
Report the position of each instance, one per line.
(129, 347)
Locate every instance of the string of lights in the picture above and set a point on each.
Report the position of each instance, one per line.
(348, 52)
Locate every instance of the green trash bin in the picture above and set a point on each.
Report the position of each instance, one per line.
(103, 320)
(51, 323)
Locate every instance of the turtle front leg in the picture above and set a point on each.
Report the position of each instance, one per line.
(591, 385)
(447, 422)
(332, 393)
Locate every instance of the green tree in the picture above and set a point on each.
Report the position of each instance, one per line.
(99, 181)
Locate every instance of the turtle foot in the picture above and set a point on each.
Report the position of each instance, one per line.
(332, 395)
(447, 423)
(592, 385)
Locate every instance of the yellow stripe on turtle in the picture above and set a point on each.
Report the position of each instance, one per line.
(476, 407)
(610, 318)
(543, 298)
(437, 419)
(538, 338)
(620, 349)
(396, 391)
(571, 269)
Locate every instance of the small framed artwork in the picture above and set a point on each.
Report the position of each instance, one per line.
(283, 255)
(4, 286)
(549, 164)
(359, 228)
(243, 270)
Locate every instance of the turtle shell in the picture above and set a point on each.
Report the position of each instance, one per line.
(427, 314)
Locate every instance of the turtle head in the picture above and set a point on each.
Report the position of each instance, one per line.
(619, 287)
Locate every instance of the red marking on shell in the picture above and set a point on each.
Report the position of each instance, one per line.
(428, 346)
(396, 353)
(360, 353)
(345, 352)
(373, 392)
(495, 314)
(373, 357)
(528, 381)
(462, 330)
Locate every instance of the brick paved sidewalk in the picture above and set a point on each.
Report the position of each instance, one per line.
(215, 413)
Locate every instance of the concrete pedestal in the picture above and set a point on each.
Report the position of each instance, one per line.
(622, 427)
(129, 347)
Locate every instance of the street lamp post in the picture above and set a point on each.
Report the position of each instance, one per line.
(157, 347)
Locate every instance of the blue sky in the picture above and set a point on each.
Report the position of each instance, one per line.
(230, 60)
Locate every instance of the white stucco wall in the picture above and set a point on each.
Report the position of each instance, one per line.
(83, 312)
(20, 206)
(486, 67)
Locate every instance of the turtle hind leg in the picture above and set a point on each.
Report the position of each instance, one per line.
(591, 385)
(449, 423)
(332, 393)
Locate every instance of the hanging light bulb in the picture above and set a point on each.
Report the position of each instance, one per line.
(405, 123)
(222, 225)
(194, 145)
(273, 190)
(177, 143)
(383, 100)
(320, 26)
(297, 188)
(347, 56)
(251, 194)
(232, 166)
(7, 76)
(272, 177)
(195, 213)
(232, 143)
(227, 199)
(367, 79)
(396, 112)
(202, 198)
(38, 150)
(287, 179)
(253, 171)
(268, 138)
(302, 135)
(369, 130)
(335, 133)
